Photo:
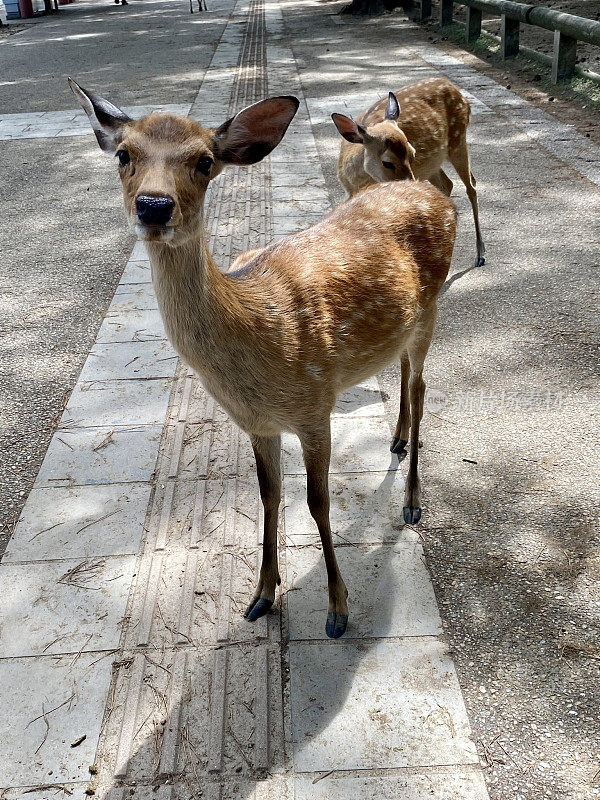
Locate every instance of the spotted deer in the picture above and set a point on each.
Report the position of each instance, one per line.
(277, 339)
(409, 136)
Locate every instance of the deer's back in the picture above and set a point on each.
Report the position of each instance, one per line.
(342, 299)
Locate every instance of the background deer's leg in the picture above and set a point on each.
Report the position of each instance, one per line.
(442, 182)
(417, 351)
(459, 158)
(267, 451)
(317, 452)
(403, 425)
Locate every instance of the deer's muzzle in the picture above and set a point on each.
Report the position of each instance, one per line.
(154, 210)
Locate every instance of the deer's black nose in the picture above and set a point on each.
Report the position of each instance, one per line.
(154, 210)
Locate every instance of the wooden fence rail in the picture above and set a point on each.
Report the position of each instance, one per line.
(568, 28)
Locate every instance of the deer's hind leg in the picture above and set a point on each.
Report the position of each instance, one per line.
(267, 451)
(400, 438)
(459, 158)
(316, 449)
(417, 351)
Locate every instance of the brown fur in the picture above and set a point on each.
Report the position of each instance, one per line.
(434, 117)
(278, 337)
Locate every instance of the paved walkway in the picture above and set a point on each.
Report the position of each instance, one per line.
(137, 550)
(131, 670)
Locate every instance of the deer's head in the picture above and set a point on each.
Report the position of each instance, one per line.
(166, 161)
(388, 155)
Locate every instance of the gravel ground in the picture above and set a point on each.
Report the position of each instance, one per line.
(61, 258)
(541, 39)
(509, 463)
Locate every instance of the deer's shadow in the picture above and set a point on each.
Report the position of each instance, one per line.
(256, 737)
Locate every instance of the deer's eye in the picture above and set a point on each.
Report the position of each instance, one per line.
(124, 157)
(388, 165)
(204, 164)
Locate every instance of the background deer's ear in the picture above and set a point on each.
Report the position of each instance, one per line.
(255, 131)
(392, 110)
(351, 131)
(106, 120)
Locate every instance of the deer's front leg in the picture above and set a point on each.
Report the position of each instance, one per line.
(317, 451)
(267, 451)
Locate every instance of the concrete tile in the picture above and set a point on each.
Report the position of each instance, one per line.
(128, 361)
(454, 784)
(133, 326)
(311, 193)
(365, 507)
(139, 252)
(136, 272)
(390, 592)
(363, 400)
(41, 131)
(51, 607)
(357, 445)
(118, 403)
(74, 791)
(286, 226)
(403, 697)
(73, 130)
(310, 207)
(81, 522)
(100, 456)
(130, 297)
(38, 685)
(25, 117)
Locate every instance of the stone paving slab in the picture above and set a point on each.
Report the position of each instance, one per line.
(72, 122)
(441, 785)
(365, 508)
(357, 445)
(390, 592)
(100, 455)
(120, 403)
(129, 361)
(403, 697)
(72, 694)
(66, 606)
(80, 522)
(136, 272)
(133, 326)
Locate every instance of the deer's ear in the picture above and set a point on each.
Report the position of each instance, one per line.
(106, 120)
(255, 131)
(351, 131)
(392, 110)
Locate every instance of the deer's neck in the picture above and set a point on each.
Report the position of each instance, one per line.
(207, 315)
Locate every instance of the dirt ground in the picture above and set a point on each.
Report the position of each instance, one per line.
(573, 104)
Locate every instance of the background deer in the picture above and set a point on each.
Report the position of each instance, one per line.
(276, 340)
(409, 136)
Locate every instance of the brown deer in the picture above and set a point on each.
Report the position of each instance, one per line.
(409, 136)
(277, 339)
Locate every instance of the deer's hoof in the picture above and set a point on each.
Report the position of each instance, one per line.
(336, 625)
(258, 608)
(398, 444)
(479, 261)
(412, 514)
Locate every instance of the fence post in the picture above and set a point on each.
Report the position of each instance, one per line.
(509, 36)
(425, 10)
(446, 12)
(563, 58)
(473, 23)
